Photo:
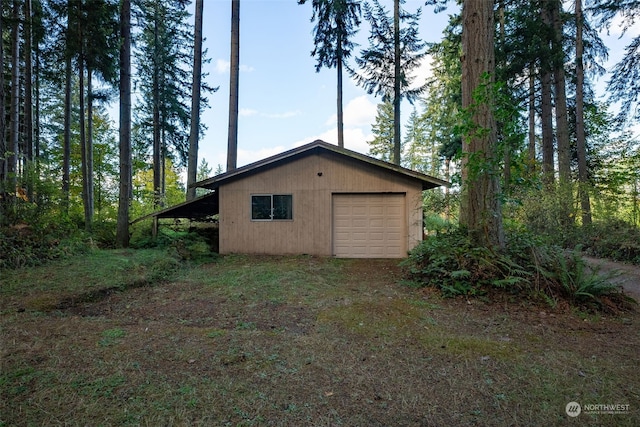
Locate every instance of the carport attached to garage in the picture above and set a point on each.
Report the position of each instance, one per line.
(372, 225)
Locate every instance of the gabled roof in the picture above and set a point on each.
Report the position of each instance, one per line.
(209, 204)
(316, 147)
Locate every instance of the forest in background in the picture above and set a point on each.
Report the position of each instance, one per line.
(555, 161)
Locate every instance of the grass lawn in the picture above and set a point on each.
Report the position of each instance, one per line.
(129, 338)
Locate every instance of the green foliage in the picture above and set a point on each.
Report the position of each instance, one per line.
(337, 23)
(377, 62)
(164, 64)
(381, 146)
(529, 266)
(545, 214)
(181, 244)
(611, 238)
(25, 245)
(579, 283)
(450, 262)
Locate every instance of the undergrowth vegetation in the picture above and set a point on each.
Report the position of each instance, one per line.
(27, 246)
(529, 266)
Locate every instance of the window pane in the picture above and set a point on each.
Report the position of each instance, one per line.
(260, 207)
(282, 206)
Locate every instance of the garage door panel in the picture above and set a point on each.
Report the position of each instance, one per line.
(369, 226)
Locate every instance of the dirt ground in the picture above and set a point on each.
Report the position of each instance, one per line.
(318, 342)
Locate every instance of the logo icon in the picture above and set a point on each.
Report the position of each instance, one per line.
(573, 409)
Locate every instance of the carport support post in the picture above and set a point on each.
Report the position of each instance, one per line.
(154, 228)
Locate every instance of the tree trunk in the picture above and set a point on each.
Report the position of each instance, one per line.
(157, 166)
(28, 86)
(3, 147)
(396, 82)
(562, 121)
(339, 94)
(14, 114)
(480, 208)
(583, 180)
(506, 146)
(66, 143)
(36, 106)
(232, 144)
(447, 197)
(192, 167)
(546, 119)
(89, 150)
(83, 143)
(531, 152)
(124, 198)
(546, 114)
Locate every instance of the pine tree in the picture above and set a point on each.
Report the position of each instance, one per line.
(480, 210)
(337, 23)
(381, 146)
(386, 66)
(194, 132)
(624, 84)
(164, 81)
(126, 187)
(234, 82)
(420, 153)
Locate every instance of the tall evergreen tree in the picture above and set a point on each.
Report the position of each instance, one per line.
(381, 146)
(420, 153)
(164, 81)
(125, 191)
(194, 132)
(3, 148)
(624, 84)
(337, 23)
(581, 149)
(382, 71)
(234, 81)
(480, 209)
(443, 97)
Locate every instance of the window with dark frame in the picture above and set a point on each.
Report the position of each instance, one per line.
(271, 207)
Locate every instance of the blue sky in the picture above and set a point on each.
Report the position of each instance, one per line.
(283, 102)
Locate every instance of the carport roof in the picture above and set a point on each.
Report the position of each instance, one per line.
(198, 208)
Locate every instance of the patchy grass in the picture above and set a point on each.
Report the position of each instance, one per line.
(262, 341)
(84, 277)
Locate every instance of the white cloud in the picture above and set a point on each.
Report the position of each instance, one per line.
(223, 67)
(354, 139)
(423, 72)
(249, 156)
(246, 112)
(620, 22)
(359, 111)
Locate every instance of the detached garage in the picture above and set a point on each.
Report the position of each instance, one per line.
(317, 199)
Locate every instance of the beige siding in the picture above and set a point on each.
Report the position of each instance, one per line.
(311, 180)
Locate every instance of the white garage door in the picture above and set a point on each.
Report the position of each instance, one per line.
(369, 226)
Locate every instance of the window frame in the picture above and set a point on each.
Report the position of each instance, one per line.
(271, 196)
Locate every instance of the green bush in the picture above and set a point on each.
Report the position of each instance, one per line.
(528, 266)
(613, 239)
(181, 244)
(24, 245)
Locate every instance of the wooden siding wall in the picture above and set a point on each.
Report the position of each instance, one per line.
(310, 230)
